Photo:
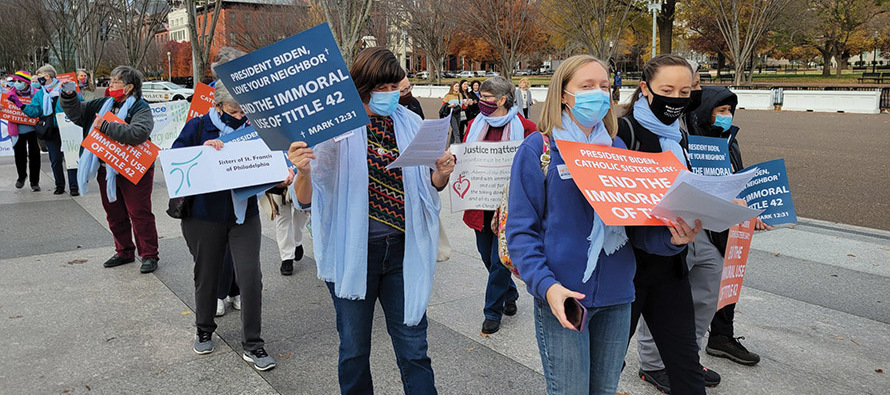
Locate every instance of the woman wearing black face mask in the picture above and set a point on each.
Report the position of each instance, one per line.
(663, 294)
(218, 220)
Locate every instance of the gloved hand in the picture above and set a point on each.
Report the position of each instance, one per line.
(15, 100)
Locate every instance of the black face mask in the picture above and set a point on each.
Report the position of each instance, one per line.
(667, 109)
(42, 80)
(694, 100)
(231, 121)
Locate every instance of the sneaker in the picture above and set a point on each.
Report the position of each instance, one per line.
(117, 261)
(19, 184)
(287, 267)
(236, 302)
(510, 308)
(298, 253)
(490, 326)
(220, 307)
(729, 347)
(75, 192)
(712, 379)
(35, 188)
(260, 360)
(149, 265)
(658, 378)
(204, 343)
(58, 191)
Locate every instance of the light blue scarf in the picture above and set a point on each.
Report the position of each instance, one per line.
(49, 92)
(668, 135)
(340, 217)
(602, 237)
(88, 167)
(481, 123)
(239, 205)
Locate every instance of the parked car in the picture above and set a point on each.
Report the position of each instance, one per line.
(480, 73)
(423, 75)
(157, 91)
(466, 74)
(520, 73)
(492, 74)
(448, 74)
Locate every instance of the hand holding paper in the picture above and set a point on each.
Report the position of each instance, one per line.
(427, 146)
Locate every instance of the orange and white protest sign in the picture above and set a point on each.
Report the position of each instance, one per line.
(735, 259)
(622, 186)
(131, 161)
(202, 101)
(10, 113)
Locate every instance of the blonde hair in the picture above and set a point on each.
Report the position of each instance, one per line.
(551, 117)
(527, 84)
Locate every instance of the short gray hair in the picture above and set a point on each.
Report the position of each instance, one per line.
(694, 65)
(499, 87)
(47, 69)
(222, 94)
(129, 76)
(225, 54)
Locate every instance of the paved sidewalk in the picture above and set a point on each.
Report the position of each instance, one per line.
(816, 306)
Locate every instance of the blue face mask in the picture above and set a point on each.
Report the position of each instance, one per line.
(19, 85)
(590, 106)
(35, 85)
(723, 121)
(384, 103)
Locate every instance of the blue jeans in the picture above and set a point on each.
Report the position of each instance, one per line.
(57, 162)
(583, 363)
(355, 318)
(501, 288)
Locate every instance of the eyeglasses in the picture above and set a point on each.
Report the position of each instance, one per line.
(488, 97)
(406, 90)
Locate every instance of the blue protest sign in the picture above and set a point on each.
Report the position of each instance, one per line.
(248, 133)
(298, 89)
(769, 191)
(709, 156)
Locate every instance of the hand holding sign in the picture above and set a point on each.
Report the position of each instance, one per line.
(130, 161)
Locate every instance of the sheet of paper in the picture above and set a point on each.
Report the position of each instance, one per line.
(202, 169)
(723, 187)
(690, 203)
(427, 147)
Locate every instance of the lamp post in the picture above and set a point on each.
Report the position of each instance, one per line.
(874, 59)
(654, 8)
(169, 68)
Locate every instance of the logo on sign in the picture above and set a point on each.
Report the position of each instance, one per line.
(461, 186)
(184, 169)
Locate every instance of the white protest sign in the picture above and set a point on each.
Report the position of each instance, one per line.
(6, 141)
(72, 136)
(202, 169)
(481, 171)
(427, 147)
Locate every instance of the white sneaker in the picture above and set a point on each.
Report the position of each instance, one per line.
(236, 302)
(220, 307)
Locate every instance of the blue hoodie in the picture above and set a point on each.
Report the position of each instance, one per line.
(544, 257)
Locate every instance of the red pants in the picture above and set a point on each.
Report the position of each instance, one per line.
(133, 205)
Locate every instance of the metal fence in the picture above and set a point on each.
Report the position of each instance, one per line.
(885, 98)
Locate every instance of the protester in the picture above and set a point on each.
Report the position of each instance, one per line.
(379, 245)
(524, 97)
(616, 87)
(45, 105)
(663, 294)
(689, 120)
(278, 205)
(219, 222)
(127, 205)
(26, 150)
(407, 99)
(498, 120)
(473, 94)
(465, 90)
(85, 83)
(453, 104)
(562, 249)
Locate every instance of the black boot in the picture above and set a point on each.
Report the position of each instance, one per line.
(730, 348)
(287, 267)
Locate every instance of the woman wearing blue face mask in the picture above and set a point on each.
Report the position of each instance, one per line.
(563, 250)
(498, 120)
(369, 220)
(25, 148)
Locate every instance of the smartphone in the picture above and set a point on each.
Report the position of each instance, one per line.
(576, 313)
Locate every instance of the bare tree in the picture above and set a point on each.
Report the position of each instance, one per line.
(348, 20)
(742, 23)
(20, 42)
(63, 24)
(202, 36)
(431, 25)
(135, 23)
(596, 25)
(287, 19)
(505, 25)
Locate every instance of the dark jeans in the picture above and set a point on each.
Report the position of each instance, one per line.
(57, 161)
(26, 149)
(722, 322)
(355, 318)
(207, 242)
(525, 112)
(500, 288)
(131, 213)
(457, 133)
(669, 313)
(227, 284)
